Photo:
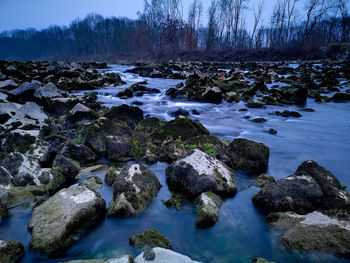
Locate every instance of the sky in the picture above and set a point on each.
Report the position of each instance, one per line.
(39, 14)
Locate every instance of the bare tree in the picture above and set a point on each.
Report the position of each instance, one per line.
(212, 26)
(316, 10)
(257, 12)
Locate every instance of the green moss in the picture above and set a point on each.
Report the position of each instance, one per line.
(150, 239)
(183, 128)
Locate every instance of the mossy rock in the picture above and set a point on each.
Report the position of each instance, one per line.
(96, 132)
(248, 155)
(150, 239)
(148, 125)
(131, 115)
(182, 127)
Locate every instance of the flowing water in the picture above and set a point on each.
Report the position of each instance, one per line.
(242, 232)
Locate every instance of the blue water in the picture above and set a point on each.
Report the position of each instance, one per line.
(242, 232)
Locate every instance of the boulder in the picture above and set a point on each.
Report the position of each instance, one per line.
(81, 114)
(150, 239)
(23, 93)
(248, 155)
(117, 148)
(49, 91)
(11, 251)
(112, 175)
(96, 133)
(131, 115)
(198, 173)
(66, 166)
(310, 188)
(179, 112)
(93, 183)
(341, 97)
(78, 152)
(8, 84)
(263, 180)
(64, 216)
(133, 189)
(181, 127)
(326, 232)
(161, 255)
(208, 205)
(59, 106)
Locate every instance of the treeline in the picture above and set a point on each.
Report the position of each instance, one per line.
(163, 32)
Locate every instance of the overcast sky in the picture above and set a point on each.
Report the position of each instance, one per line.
(39, 14)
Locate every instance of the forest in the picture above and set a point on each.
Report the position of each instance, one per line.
(163, 32)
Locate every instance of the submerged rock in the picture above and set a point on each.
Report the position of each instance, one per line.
(11, 251)
(208, 209)
(150, 239)
(310, 188)
(162, 255)
(64, 218)
(326, 232)
(249, 155)
(134, 188)
(199, 173)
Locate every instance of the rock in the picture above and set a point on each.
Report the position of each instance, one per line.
(253, 104)
(5, 177)
(180, 112)
(11, 251)
(310, 188)
(59, 106)
(183, 128)
(131, 115)
(23, 93)
(150, 239)
(208, 209)
(316, 231)
(78, 152)
(161, 255)
(261, 260)
(249, 155)
(96, 133)
(211, 95)
(66, 166)
(117, 149)
(49, 91)
(199, 173)
(3, 203)
(300, 96)
(175, 201)
(81, 114)
(93, 183)
(309, 110)
(112, 175)
(263, 180)
(133, 189)
(272, 131)
(259, 120)
(64, 217)
(8, 84)
(341, 97)
(127, 93)
(23, 169)
(288, 113)
(27, 117)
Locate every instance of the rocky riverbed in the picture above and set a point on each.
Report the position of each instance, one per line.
(93, 156)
